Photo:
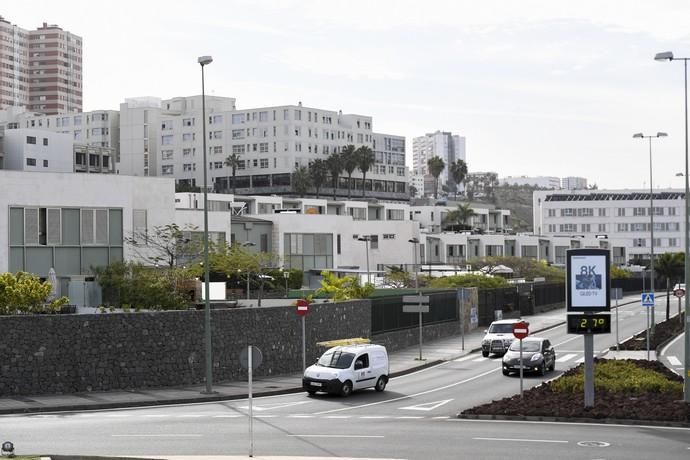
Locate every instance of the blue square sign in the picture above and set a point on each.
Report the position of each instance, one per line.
(647, 299)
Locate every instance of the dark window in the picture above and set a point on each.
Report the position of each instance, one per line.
(31, 161)
(45, 163)
(45, 141)
(30, 139)
(263, 244)
(338, 243)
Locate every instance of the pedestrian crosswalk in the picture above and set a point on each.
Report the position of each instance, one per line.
(475, 358)
(673, 361)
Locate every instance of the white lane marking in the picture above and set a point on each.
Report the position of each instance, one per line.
(580, 360)
(427, 406)
(191, 415)
(479, 360)
(464, 358)
(445, 387)
(521, 440)
(333, 436)
(275, 406)
(181, 435)
(663, 352)
(338, 416)
(118, 415)
(408, 417)
(587, 424)
(565, 358)
(228, 416)
(300, 416)
(566, 341)
(156, 415)
(441, 417)
(374, 417)
(674, 361)
(265, 416)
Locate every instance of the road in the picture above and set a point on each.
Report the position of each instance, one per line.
(413, 419)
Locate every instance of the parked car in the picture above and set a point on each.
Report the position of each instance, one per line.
(538, 356)
(498, 337)
(344, 369)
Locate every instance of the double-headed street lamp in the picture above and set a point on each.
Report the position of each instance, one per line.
(205, 60)
(651, 215)
(366, 239)
(668, 56)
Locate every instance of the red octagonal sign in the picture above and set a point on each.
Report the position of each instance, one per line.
(302, 307)
(521, 330)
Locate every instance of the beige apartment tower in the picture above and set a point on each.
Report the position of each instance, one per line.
(40, 69)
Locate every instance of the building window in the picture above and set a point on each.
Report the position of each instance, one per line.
(263, 147)
(166, 140)
(264, 163)
(188, 122)
(45, 163)
(45, 141)
(167, 154)
(238, 134)
(237, 118)
(620, 212)
(31, 161)
(167, 170)
(31, 140)
(263, 116)
(602, 212)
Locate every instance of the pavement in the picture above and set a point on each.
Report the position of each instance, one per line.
(402, 362)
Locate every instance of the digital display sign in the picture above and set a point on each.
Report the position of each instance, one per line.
(588, 284)
(598, 323)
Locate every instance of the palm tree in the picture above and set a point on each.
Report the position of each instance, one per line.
(458, 171)
(301, 180)
(670, 265)
(365, 160)
(233, 161)
(335, 165)
(436, 167)
(318, 172)
(349, 157)
(459, 217)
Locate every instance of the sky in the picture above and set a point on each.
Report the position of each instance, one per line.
(537, 87)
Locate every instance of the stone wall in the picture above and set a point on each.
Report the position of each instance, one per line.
(72, 353)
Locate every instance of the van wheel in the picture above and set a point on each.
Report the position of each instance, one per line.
(311, 392)
(485, 354)
(346, 389)
(381, 384)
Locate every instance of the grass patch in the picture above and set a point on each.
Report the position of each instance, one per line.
(618, 376)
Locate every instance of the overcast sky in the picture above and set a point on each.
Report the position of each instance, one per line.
(538, 87)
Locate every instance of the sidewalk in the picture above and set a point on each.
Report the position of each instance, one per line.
(401, 362)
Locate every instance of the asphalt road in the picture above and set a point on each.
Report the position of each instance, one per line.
(413, 419)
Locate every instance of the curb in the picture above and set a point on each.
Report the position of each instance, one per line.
(606, 421)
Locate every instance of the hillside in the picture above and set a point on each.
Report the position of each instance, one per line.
(518, 199)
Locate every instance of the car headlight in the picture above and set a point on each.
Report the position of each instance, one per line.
(485, 341)
(537, 357)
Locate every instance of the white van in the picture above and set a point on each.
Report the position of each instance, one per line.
(344, 369)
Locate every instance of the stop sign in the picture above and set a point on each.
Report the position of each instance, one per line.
(520, 330)
(302, 307)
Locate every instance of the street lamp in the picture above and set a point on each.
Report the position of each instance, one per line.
(286, 275)
(668, 56)
(205, 60)
(651, 216)
(247, 244)
(415, 243)
(366, 239)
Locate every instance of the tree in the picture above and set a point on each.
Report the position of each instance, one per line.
(233, 161)
(671, 266)
(459, 217)
(301, 180)
(413, 191)
(436, 167)
(365, 160)
(318, 172)
(349, 159)
(344, 288)
(26, 293)
(397, 278)
(469, 280)
(335, 166)
(166, 245)
(458, 171)
(524, 268)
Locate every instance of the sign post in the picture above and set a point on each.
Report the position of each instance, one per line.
(617, 293)
(648, 302)
(417, 304)
(250, 359)
(680, 293)
(520, 331)
(302, 310)
(588, 293)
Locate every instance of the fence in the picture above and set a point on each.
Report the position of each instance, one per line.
(387, 314)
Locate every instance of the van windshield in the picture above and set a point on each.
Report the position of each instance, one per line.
(336, 359)
(501, 329)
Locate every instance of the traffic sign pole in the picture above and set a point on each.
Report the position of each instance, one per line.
(522, 365)
(589, 370)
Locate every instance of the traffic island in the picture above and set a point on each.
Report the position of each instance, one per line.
(627, 391)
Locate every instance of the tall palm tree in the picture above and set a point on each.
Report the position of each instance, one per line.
(365, 160)
(233, 161)
(349, 157)
(335, 166)
(318, 172)
(436, 167)
(458, 171)
(459, 217)
(301, 180)
(671, 266)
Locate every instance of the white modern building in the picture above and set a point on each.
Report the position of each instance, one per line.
(620, 216)
(37, 150)
(548, 182)
(449, 147)
(574, 183)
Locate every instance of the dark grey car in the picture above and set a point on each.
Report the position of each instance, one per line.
(538, 356)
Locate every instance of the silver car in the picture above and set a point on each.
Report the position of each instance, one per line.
(538, 356)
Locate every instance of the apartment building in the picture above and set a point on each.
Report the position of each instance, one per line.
(622, 217)
(449, 147)
(574, 183)
(41, 69)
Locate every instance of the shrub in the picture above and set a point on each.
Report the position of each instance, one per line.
(26, 293)
(479, 281)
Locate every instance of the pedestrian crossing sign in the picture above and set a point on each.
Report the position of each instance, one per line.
(647, 299)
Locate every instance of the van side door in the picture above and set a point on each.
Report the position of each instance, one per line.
(364, 376)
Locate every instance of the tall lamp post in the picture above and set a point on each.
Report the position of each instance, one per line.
(366, 239)
(205, 60)
(415, 243)
(668, 56)
(247, 244)
(651, 219)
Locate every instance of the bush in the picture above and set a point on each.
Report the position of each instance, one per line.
(479, 281)
(617, 376)
(26, 293)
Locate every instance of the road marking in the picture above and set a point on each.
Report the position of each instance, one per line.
(464, 358)
(156, 415)
(333, 436)
(445, 387)
(581, 360)
(182, 435)
(191, 415)
(565, 358)
(408, 417)
(427, 406)
(674, 361)
(118, 415)
(521, 440)
(228, 416)
(300, 416)
(275, 406)
(374, 417)
(339, 416)
(479, 360)
(663, 352)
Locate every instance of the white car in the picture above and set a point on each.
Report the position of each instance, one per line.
(498, 337)
(344, 369)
